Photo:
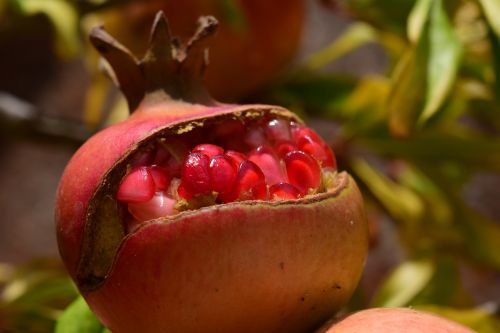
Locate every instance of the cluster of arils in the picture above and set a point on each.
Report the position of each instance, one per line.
(271, 159)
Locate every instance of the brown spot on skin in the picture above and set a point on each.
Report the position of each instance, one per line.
(282, 265)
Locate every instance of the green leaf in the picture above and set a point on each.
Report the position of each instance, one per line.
(426, 73)
(491, 10)
(404, 283)
(355, 36)
(445, 52)
(399, 201)
(78, 319)
(417, 19)
(480, 320)
(64, 18)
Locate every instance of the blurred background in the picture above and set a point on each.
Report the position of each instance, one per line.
(406, 92)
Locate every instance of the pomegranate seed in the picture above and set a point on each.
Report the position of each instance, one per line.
(222, 176)
(250, 182)
(231, 128)
(161, 156)
(268, 162)
(283, 191)
(300, 131)
(314, 149)
(236, 157)
(208, 149)
(284, 148)
(173, 166)
(255, 137)
(278, 130)
(158, 206)
(143, 159)
(195, 174)
(137, 186)
(161, 177)
(303, 171)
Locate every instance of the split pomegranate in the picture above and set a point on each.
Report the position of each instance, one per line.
(196, 216)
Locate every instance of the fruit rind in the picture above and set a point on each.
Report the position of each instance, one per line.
(238, 255)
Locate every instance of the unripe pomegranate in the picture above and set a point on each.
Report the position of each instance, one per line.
(197, 216)
(394, 320)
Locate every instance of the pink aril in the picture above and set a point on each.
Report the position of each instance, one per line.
(161, 177)
(137, 186)
(195, 174)
(265, 158)
(283, 191)
(208, 149)
(255, 136)
(158, 206)
(303, 171)
(250, 182)
(222, 177)
(278, 130)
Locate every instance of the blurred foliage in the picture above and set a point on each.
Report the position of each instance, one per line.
(413, 137)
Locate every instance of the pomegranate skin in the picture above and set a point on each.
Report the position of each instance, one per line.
(394, 320)
(248, 266)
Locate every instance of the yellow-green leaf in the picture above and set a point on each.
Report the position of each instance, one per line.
(404, 283)
(491, 10)
(355, 36)
(78, 319)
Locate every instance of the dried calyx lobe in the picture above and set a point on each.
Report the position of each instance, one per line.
(268, 158)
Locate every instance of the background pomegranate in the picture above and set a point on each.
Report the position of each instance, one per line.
(256, 39)
(205, 266)
(394, 320)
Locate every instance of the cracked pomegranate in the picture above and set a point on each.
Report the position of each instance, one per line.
(196, 216)
(164, 180)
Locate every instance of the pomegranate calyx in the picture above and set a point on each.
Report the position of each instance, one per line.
(170, 70)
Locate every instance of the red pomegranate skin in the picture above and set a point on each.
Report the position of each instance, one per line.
(394, 320)
(249, 266)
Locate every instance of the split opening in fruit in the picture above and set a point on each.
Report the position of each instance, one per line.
(237, 159)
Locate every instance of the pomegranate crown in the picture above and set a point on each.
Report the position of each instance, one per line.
(169, 69)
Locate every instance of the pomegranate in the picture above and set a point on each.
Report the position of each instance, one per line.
(197, 216)
(394, 320)
(257, 37)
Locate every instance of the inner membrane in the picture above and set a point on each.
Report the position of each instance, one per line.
(234, 160)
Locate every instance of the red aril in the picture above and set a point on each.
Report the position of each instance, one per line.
(283, 191)
(250, 182)
(137, 186)
(303, 171)
(195, 174)
(236, 157)
(222, 177)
